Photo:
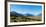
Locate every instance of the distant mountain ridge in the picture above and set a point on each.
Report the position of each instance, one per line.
(15, 14)
(29, 14)
(18, 14)
(39, 14)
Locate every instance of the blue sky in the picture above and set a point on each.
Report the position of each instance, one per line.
(23, 9)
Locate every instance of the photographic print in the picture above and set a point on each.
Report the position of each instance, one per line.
(20, 13)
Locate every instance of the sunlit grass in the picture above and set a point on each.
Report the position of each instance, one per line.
(25, 19)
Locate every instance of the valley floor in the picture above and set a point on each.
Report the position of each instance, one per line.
(25, 18)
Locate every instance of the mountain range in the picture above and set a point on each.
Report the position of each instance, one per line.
(18, 14)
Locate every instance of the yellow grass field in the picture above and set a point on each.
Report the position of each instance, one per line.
(25, 18)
